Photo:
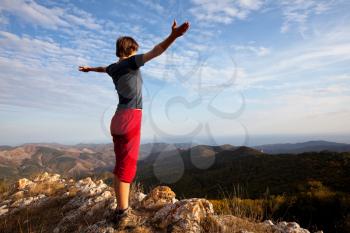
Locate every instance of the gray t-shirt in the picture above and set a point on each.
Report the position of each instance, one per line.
(127, 79)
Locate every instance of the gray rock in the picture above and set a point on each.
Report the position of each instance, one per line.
(185, 215)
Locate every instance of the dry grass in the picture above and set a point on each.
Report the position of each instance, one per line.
(136, 187)
(237, 214)
(243, 208)
(5, 188)
(141, 229)
(233, 225)
(234, 204)
(35, 220)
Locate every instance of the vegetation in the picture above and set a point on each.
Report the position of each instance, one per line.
(309, 188)
(256, 173)
(315, 207)
(4, 187)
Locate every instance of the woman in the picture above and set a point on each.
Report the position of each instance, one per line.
(126, 123)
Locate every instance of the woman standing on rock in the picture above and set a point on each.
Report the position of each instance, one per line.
(126, 123)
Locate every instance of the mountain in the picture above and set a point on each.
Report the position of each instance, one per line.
(157, 147)
(29, 159)
(214, 170)
(76, 160)
(51, 203)
(310, 188)
(310, 146)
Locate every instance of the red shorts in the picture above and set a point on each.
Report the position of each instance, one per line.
(126, 131)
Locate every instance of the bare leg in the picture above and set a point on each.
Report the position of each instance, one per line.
(122, 192)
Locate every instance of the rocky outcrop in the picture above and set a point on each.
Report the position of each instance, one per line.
(158, 198)
(183, 216)
(86, 205)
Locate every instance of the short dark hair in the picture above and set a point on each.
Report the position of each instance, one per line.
(125, 46)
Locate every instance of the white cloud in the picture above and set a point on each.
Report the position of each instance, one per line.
(250, 4)
(51, 18)
(297, 12)
(303, 88)
(257, 50)
(223, 11)
(3, 20)
(307, 109)
(327, 49)
(153, 5)
(43, 74)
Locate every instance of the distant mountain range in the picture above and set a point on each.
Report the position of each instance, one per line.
(77, 160)
(295, 148)
(209, 168)
(214, 170)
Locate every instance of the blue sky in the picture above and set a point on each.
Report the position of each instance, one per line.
(245, 69)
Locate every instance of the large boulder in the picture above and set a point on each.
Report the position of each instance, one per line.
(158, 197)
(289, 227)
(23, 183)
(184, 216)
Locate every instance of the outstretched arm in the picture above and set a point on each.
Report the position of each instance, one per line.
(96, 69)
(162, 46)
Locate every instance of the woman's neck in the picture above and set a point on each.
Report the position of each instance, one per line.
(122, 58)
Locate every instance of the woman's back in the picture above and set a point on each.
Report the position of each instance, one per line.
(128, 81)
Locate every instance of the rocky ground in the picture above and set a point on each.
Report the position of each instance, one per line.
(49, 203)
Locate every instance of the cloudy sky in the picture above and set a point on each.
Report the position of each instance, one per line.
(246, 69)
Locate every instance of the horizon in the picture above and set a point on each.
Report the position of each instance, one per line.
(248, 71)
(263, 140)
